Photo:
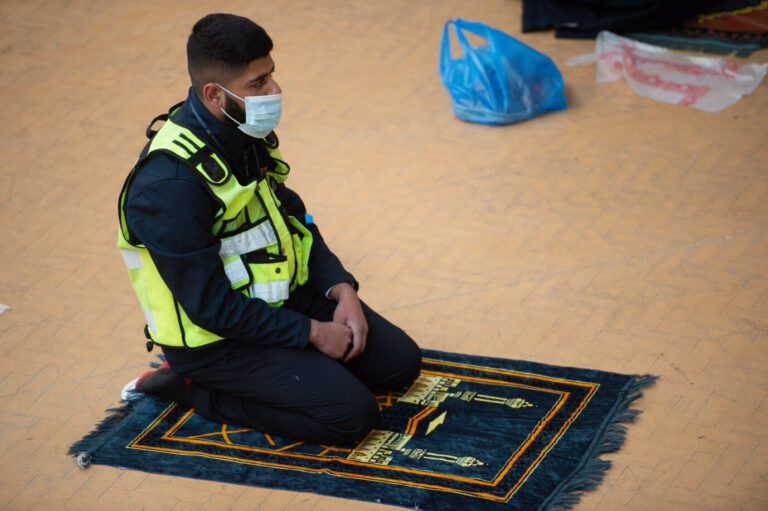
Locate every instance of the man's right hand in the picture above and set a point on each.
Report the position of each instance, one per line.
(330, 338)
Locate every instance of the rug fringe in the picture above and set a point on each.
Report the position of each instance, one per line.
(83, 448)
(590, 474)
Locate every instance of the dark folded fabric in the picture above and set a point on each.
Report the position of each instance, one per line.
(585, 18)
(729, 26)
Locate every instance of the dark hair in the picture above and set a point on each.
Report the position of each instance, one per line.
(221, 46)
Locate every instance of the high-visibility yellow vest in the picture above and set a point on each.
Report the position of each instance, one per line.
(264, 252)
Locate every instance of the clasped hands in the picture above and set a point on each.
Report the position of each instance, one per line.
(343, 338)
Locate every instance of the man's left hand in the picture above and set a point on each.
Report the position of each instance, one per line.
(349, 312)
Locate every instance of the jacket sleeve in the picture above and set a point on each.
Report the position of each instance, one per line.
(172, 213)
(325, 269)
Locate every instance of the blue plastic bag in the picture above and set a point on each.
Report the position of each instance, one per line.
(501, 82)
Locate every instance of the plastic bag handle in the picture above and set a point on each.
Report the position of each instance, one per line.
(478, 29)
(490, 35)
(445, 51)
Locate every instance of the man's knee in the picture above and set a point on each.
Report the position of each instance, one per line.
(359, 417)
(407, 366)
(412, 362)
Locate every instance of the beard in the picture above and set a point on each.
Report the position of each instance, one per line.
(233, 108)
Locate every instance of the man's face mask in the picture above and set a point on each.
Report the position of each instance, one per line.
(262, 113)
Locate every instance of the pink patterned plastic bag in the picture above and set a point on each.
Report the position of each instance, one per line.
(700, 82)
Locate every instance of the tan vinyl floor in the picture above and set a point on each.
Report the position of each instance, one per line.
(623, 234)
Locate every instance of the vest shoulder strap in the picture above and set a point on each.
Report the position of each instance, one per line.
(184, 146)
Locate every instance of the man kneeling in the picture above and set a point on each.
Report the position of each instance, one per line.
(259, 322)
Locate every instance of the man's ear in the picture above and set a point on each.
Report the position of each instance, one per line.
(213, 96)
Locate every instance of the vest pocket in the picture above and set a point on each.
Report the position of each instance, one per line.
(261, 274)
(270, 278)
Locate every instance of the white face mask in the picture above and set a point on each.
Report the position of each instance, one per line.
(262, 113)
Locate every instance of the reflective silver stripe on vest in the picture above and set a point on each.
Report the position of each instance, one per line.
(272, 291)
(132, 258)
(236, 271)
(248, 241)
(150, 317)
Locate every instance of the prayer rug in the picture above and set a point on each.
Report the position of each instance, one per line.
(471, 433)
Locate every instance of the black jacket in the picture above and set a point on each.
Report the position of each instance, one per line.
(170, 210)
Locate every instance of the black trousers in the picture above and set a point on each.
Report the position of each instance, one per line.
(301, 393)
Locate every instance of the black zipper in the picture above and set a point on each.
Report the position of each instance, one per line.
(181, 327)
